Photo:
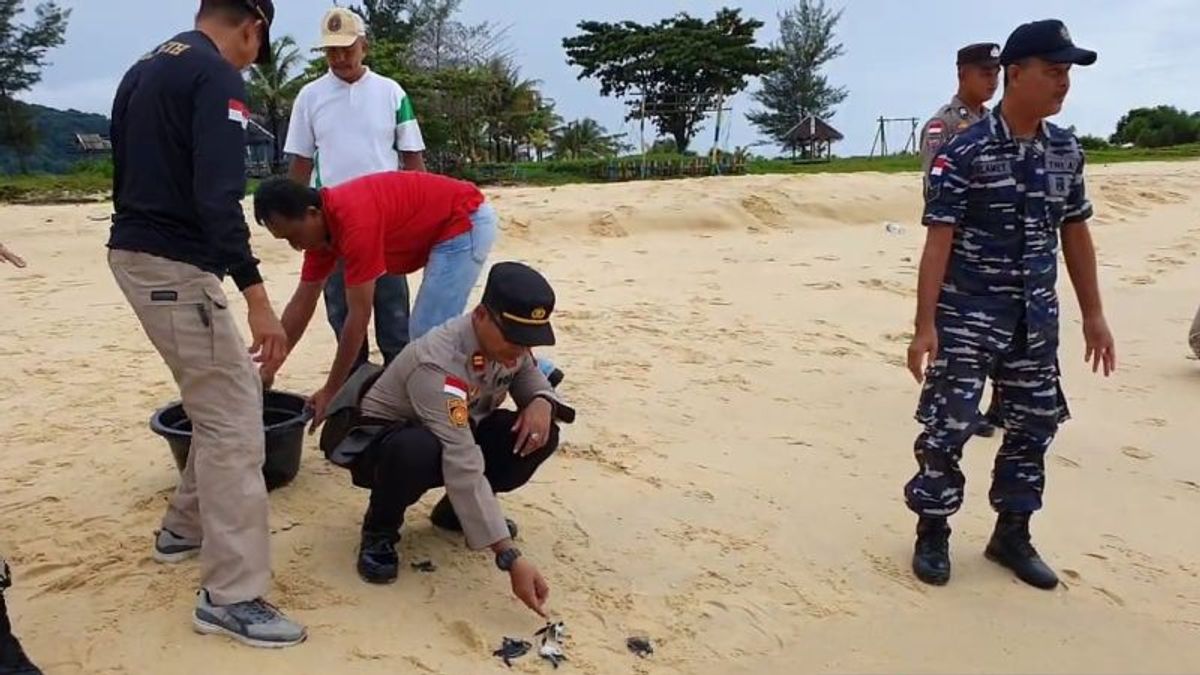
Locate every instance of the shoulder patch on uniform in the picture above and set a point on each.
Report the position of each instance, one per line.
(457, 408)
(935, 127)
(455, 387)
(478, 362)
(239, 113)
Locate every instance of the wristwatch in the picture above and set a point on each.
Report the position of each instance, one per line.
(506, 558)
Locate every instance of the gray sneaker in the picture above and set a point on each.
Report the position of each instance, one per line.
(171, 548)
(257, 623)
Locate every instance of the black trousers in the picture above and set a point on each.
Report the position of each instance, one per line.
(406, 462)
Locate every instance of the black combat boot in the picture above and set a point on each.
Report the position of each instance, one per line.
(13, 660)
(931, 556)
(443, 516)
(378, 561)
(1011, 547)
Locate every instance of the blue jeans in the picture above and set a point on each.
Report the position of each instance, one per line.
(390, 311)
(453, 269)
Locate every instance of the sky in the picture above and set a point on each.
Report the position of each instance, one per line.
(898, 62)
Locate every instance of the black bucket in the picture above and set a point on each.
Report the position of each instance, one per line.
(284, 418)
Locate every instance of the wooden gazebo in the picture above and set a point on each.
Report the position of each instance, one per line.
(813, 137)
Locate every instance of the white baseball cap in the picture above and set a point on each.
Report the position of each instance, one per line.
(341, 28)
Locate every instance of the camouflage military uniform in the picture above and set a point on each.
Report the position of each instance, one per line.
(998, 309)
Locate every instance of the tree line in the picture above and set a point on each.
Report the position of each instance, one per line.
(476, 106)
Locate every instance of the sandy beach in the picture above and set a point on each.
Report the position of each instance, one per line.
(732, 489)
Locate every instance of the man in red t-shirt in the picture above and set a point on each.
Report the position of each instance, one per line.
(395, 222)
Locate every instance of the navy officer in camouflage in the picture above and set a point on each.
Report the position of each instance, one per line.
(1001, 196)
(978, 78)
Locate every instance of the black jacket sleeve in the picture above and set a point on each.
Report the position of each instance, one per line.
(219, 162)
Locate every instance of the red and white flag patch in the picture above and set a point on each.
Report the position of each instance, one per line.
(238, 112)
(455, 387)
(939, 165)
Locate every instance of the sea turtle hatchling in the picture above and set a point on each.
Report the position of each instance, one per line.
(640, 646)
(552, 635)
(512, 648)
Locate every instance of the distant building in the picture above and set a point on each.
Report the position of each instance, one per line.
(813, 137)
(93, 144)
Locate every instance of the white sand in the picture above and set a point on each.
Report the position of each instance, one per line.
(733, 486)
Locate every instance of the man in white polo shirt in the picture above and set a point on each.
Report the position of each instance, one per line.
(350, 123)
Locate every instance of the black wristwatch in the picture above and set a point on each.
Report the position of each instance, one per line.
(507, 558)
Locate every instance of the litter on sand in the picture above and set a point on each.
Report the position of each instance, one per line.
(425, 566)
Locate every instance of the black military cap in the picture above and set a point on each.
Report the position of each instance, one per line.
(265, 10)
(980, 54)
(1048, 40)
(521, 301)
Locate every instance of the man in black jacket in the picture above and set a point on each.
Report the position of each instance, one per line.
(178, 133)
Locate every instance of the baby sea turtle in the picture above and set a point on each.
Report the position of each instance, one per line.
(640, 646)
(512, 648)
(552, 636)
(424, 566)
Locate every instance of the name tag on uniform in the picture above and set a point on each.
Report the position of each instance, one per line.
(1063, 164)
(998, 168)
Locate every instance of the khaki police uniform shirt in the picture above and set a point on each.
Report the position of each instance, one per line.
(950, 119)
(443, 382)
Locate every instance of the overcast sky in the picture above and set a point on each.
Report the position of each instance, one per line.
(899, 59)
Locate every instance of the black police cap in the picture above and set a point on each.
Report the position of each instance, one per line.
(521, 301)
(263, 10)
(979, 54)
(1048, 40)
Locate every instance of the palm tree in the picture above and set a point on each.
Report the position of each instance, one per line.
(273, 88)
(584, 138)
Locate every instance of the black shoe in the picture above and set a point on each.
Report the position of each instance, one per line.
(1011, 547)
(931, 555)
(13, 660)
(378, 562)
(443, 516)
(556, 377)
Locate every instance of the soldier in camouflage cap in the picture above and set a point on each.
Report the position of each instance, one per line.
(1001, 196)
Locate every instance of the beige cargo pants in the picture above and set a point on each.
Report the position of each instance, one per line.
(221, 500)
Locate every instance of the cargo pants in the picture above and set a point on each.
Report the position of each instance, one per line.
(221, 499)
(1031, 408)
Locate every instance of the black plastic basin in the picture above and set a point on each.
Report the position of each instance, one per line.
(284, 417)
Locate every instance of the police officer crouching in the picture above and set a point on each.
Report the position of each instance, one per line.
(433, 418)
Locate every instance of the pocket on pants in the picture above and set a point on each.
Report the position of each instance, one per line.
(192, 324)
(484, 225)
(227, 345)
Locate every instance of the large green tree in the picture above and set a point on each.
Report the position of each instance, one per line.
(1157, 127)
(273, 88)
(681, 65)
(796, 87)
(23, 49)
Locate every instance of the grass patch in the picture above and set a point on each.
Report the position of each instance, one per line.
(93, 182)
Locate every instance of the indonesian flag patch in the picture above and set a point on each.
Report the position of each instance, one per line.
(939, 165)
(238, 112)
(455, 387)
